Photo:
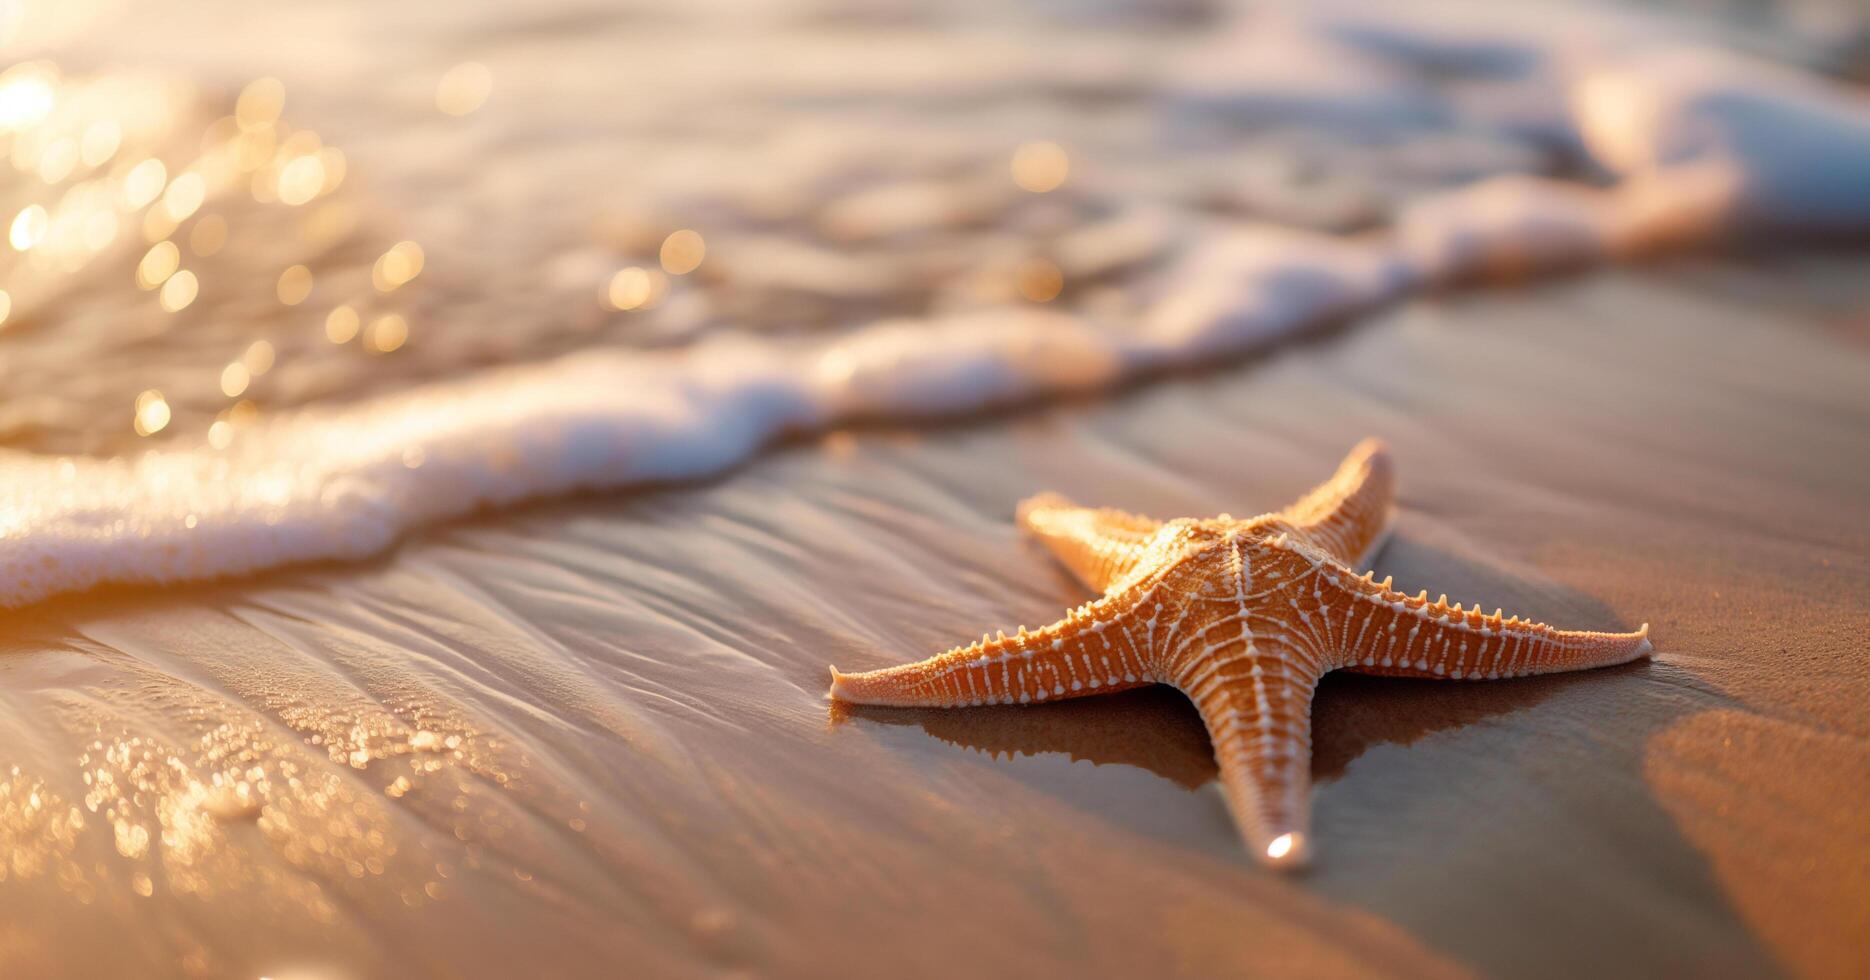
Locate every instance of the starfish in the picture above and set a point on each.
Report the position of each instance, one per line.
(1244, 617)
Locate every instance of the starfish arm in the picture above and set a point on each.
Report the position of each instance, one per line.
(1096, 649)
(1349, 514)
(1375, 630)
(1099, 545)
(1256, 701)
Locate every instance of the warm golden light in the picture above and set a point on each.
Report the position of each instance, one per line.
(387, 333)
(179, 291)
(28, 227)
(100, 142)
(295, 284)
(635, 288)
(1040, 166)
(682, 252)
(234, 379)
(1039, 280)
(397, 266)
(100, 229)
(220, 433)
(58, 160)
(144, 182)
(152, 413)
(159, 263)
(157, 225)
(341, 325)
(301, 180)
(258, 358)
(1281, 846)
(260, 103)
(253, 148)
(209, 234)
(463, 88)
(6, 306)
(27, 94)
(331, 159)
(184, 196)
(304, 142)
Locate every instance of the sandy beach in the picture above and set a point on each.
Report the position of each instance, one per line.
(406, 277)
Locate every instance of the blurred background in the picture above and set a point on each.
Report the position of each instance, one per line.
(217, 211)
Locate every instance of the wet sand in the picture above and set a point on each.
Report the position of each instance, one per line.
(591, 736)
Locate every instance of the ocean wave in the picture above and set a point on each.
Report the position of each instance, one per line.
(1696, 146)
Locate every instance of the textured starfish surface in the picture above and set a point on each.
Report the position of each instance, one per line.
(1244, 617)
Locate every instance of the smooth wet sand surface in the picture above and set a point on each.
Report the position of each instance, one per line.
(590, 737)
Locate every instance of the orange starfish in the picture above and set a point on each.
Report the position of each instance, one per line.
(1244, 617)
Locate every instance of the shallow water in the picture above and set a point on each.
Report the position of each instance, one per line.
(936, 271)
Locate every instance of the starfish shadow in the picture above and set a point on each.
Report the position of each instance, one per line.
(1154, 728)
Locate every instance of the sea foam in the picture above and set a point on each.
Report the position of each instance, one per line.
(1695, 146)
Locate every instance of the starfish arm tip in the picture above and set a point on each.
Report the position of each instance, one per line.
(1290, 851)
(1038, 501)
(840, 685)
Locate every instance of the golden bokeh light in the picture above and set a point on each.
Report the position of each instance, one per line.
(158, 264)
(100, 229)
(58, 159)
(300, 143)
(331, 161)
(184, 196)
(28, 228)
(220, 433)
(397, 266)
(1038, 280)
(152, 413)
(301, 180)
(295, 284)
(157, 225)
(341, 325)
(208, 235)
(179, 291)
(28, 93)
(6, 306)
(1040, 166)
(254, 148)
(258, 357)
(682, 252)
(234, 379)
(260, 103)
(387, 333)
(635, 288)
(463, 88)
(100, 143)
(144, 182)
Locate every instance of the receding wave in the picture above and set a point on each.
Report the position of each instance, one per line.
(1696, 146)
